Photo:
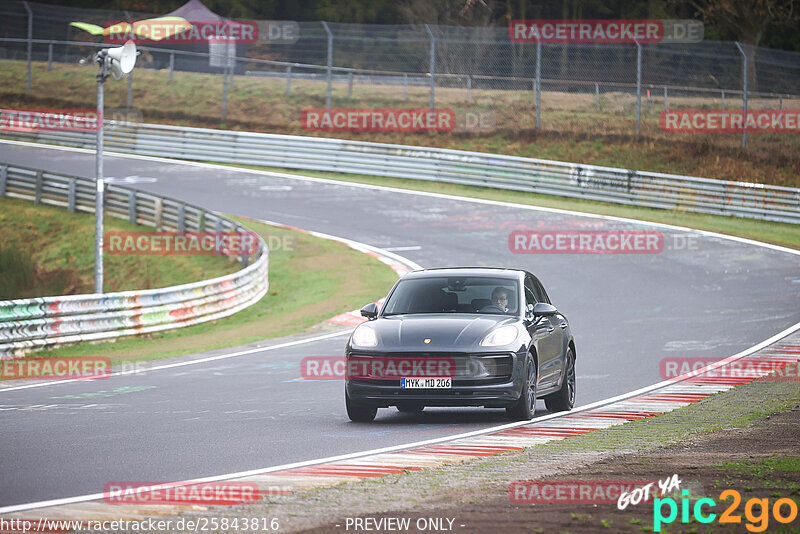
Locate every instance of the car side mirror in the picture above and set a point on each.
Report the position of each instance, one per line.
(370, 311)
(543, 309)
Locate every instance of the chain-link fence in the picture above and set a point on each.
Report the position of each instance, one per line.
(609, 88)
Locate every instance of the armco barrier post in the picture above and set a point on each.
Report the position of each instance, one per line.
(158, 211)
(288, 80)
(38, 191)
(71, 195)
(171, 66)
(666, 102)
(432, 66)
(330, 65)
(50, 56)
(3, 180)
(469, 88)
(132, 206)
(181, 218)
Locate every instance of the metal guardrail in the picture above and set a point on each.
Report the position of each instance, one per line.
(27, 324)
(620, 186)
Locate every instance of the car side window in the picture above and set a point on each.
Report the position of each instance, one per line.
(540, 292)
(530, 296)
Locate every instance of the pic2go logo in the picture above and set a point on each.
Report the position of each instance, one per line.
(756, 511)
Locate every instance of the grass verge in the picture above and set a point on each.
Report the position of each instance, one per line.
(48, 251)
(572, 129)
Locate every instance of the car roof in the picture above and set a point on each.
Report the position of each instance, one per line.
(497, 272)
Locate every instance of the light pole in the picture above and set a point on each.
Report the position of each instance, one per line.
(117, 62)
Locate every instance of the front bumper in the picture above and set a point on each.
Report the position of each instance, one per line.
(498, 384)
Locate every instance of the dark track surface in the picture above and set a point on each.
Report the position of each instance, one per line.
(627, 312)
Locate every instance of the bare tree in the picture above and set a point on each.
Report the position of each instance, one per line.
(462, 48)
(747, 20)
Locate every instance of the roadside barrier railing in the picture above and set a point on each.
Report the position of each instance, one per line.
(29, 324)
(592, 182)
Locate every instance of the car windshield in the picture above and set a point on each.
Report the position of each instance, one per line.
(448, 294)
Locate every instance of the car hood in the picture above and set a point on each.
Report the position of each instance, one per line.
(445, 331)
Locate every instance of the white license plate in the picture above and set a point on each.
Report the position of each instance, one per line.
(426, 383)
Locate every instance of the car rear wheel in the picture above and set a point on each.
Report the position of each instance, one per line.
(410, 408)
(525, 407)
(359, 413)
(564, 399)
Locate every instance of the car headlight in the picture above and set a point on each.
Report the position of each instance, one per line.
(500, 336)
(364, 336)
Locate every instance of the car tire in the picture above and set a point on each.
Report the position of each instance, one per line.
(359, 413)
(564, 399)
(525, 408)
(410, 408)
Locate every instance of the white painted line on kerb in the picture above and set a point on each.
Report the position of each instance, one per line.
(342, 183)
(400, 249)
(357, 245)
(393, 448)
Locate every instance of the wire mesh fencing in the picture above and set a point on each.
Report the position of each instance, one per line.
(492, 84)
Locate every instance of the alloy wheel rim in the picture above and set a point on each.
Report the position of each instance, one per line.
(531, 385)
(571, 380)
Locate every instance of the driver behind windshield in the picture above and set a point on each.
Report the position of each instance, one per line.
(499, 301)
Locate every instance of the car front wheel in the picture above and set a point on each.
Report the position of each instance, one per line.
(564, 399)
(359, 413)
(525, 408)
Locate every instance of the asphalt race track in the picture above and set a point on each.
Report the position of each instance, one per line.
(702, 296)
